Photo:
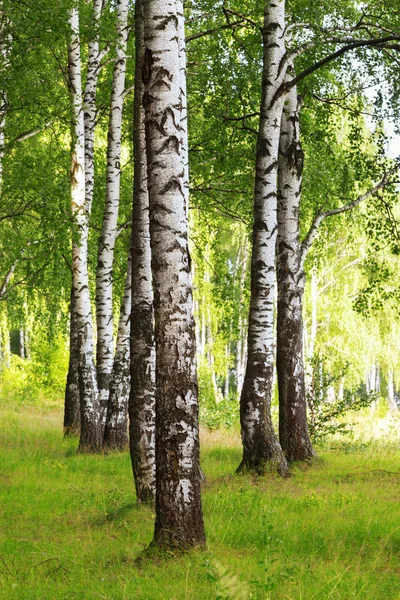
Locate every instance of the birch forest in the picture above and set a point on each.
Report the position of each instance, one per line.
(199, 299)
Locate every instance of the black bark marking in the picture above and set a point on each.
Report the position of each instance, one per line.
(174, 183)
(147, 65)
(172, 142)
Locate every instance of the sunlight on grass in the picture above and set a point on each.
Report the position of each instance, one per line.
(70, 527)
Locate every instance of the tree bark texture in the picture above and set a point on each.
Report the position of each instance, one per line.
(183, 99)
(72, 409)
(104, 274)
(89, 103)
(260, 443)
(142, 402)
(293, 427)
(90, 439)
(116, 430)
(72, 400)
(241, 343)
(179, 519)
(5, 46)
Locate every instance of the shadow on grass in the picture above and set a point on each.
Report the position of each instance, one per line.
(119, 513)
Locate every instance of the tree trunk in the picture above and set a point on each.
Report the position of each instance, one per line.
(142, 399)
(5, 46)
(5, 351)
(293, 427)
(179, 519)
(90, 439)
(241, 343)
(390, 389)
(89, 104)
(228, 370)
(116, 429)
(210, 348)
(184, 150)
(72, 410)
(260, 443)
(21, 343)
(104, 274)
(72, 401)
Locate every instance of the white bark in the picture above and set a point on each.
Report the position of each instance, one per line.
(72, 393)
(227, 373)
(183, 101)
(293, 427)
(90, 439)
(5, 43)
(242, 339)
(179, 520)
(104, 274)
(260, 444)
(89, 104)
(391, 392)
(116, 430)
(4, 331)
(142, 399)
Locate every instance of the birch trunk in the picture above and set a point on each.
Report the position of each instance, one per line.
(210, 352)
(5, 43)
(104, 274)
(72, 410)
(5, 351)
(142, 399)
(293, 427)
(260, 443)
(241, 343)
(179, 519)
(72, 400)
(203, 326)
(90, 439)
(116, 430)
(228, 370)
(89, 105)
(391, 395)
(183, 100)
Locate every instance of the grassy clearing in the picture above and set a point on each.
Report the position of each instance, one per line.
(70, 529)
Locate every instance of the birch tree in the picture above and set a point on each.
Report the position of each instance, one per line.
(279, 79)
(260, 443)
(104, 274)
(293, 428)
(90, 438)
(72, 406)
(116, 429)
(291, 254)
(72, 397)
(179, 520)
(142, 398)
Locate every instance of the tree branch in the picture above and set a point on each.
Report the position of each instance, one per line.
(352, 45)
(308, 240)
(196, 36)
(24, 136)
(6, 280)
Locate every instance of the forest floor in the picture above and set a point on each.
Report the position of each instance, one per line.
(70, 528)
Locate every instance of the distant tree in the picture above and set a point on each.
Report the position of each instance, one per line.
(90, 438)
(104, 272)
(260, 443)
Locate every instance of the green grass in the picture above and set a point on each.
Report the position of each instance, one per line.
(70, 528)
